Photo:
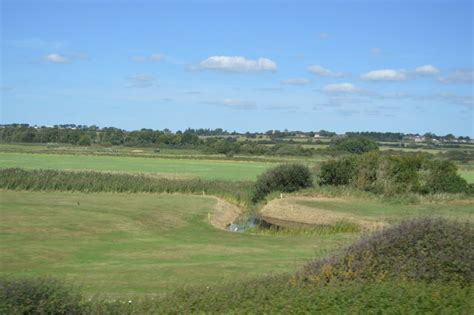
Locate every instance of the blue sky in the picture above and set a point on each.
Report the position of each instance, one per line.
(240, 65)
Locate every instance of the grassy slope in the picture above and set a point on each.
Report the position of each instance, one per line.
(228, 170)
(135, 244)
(383, 211)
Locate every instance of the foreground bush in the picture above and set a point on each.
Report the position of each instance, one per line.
(38, 296)
(430, 250)
(285, 177)
(277, 295)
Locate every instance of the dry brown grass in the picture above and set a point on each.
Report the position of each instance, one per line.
(224, 214)
(288, 212)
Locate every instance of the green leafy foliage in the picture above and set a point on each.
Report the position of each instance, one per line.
(392, 174)
(337, 172)
(279, 295)
(432, 250)
(285, 177)
(442, 177)
(38, 296)
(357, 145)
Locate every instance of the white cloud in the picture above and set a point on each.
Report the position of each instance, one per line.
(56, 58)
(426, 70)
(141, 80)
(376, 51)
(156, 57)
(138, 59)
(296, 81)
(385, 75)
(281, 107)
(237, 64)
(459, 76)
(234, 104)
(341, 88)
(36, 43)
(323, 36)
(321, 71)
(152, 57)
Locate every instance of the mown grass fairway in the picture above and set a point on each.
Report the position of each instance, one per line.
(205, 169)
(135, 244)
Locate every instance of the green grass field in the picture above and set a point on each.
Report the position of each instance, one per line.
(205, 169)
(136, 244)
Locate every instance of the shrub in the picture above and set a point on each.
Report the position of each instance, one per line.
(38, 296)
(337, 172)
(442, 177)
(398, 174)
(285, 177)
(431, 250)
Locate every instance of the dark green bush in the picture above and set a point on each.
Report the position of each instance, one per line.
(337, 172)
(442, 177)
(285, 177)
(392, 174)
(357, 145)
(38, 296)
(431, 250)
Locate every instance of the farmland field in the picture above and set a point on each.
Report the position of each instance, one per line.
(136, 244)
(187, 168)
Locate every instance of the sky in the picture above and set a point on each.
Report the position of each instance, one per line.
(401, 66)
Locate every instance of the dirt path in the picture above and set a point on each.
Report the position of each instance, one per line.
(224, 214)
(288, 212)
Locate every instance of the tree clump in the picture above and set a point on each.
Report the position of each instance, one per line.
(285, 178)
(391, 174)
(356, 145)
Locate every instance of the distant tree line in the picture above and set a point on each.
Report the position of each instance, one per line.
(212, 141)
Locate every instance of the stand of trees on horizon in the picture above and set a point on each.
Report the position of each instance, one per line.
(213, 140)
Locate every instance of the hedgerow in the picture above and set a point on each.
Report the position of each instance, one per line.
(91, 181)
(285, 178)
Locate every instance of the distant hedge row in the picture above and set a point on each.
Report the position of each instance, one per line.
(394, 174)
(90, 181)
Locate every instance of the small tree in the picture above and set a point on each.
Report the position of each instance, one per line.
(357, 145)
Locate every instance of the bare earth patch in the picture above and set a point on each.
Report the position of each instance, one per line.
(288, 213)
(224, 214)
